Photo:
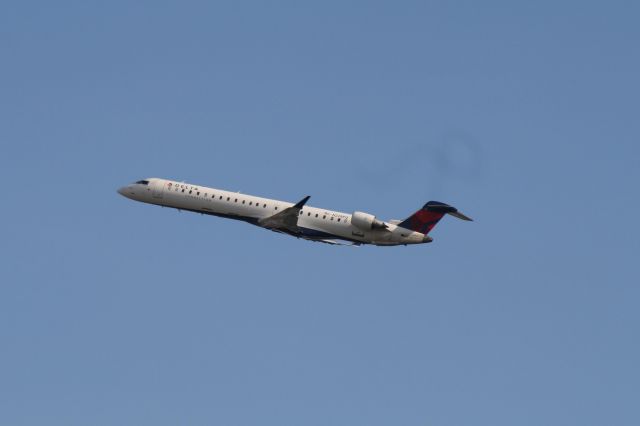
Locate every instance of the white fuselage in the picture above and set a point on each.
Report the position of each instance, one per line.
(317, 224)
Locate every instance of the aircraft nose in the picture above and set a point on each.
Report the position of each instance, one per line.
(125, 191)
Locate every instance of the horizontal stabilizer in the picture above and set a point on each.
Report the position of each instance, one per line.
(460, 216)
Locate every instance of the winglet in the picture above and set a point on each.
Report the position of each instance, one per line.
(302, 202)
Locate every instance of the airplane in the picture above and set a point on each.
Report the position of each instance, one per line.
(296, 219)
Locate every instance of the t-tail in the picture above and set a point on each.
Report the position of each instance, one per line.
(429, 215)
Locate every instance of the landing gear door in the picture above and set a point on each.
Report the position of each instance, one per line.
(157, 187)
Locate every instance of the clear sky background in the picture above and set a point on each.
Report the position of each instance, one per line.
(524, 115)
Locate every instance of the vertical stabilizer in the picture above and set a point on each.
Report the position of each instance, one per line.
(429, 215)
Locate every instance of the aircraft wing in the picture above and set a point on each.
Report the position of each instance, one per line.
(334, 242)
(287, 219)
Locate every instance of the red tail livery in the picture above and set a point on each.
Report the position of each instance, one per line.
(429, 215)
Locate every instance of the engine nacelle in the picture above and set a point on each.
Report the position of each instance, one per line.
(366, 221)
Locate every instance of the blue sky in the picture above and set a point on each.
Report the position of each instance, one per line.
(523, 115)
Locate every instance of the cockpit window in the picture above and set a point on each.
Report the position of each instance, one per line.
(143, 182)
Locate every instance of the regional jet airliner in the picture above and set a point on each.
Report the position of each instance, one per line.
(295, 219)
